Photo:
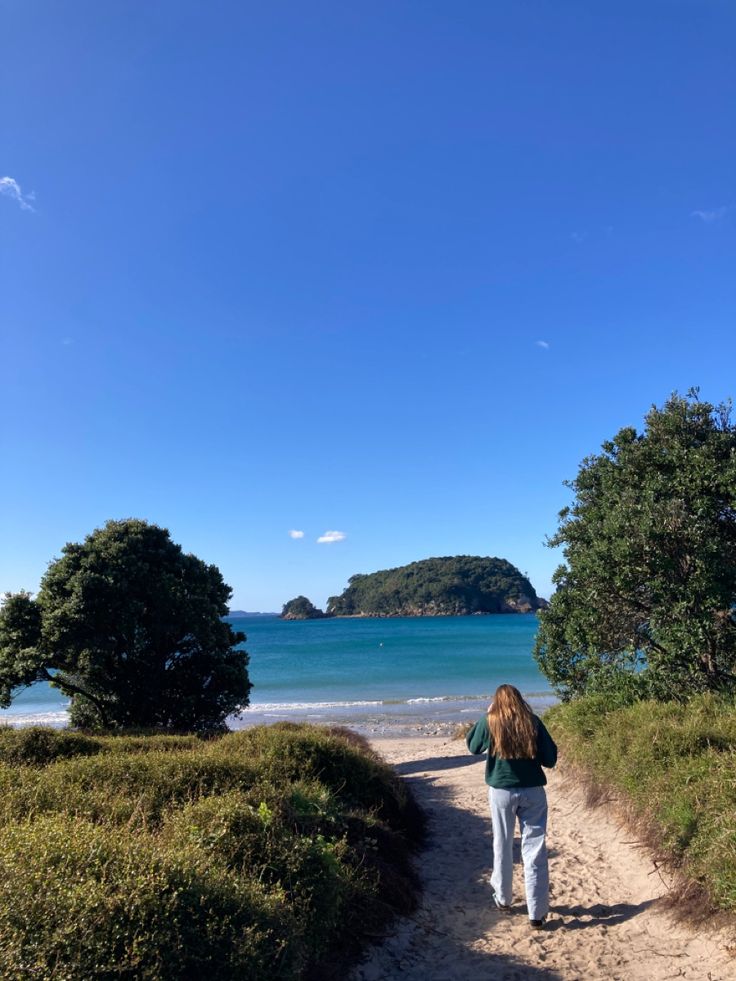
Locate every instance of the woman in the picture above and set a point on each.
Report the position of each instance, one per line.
(518, 746)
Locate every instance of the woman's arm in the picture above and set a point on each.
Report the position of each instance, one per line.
(546, 747)
(478, 738)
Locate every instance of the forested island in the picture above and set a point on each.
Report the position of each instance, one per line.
(300, 608)
(450, 586)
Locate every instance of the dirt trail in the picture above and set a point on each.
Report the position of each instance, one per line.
(605, 922)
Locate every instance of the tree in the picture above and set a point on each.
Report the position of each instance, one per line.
(647, 593)
(130, 628)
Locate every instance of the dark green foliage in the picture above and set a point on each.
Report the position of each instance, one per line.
(38, 746)
(649, 579)
(121, 788)
(675, 764)
(451, 586)
(361, 779)
(77, 902)
(300, 608)
(256, 855)
(131, 629)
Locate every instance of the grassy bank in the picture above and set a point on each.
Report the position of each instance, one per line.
(263, 854)
(674, 767)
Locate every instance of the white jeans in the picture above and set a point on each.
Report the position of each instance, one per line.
(529, 804)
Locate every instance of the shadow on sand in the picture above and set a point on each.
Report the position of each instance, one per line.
(434, 946)
(437, 763)
(596, 915)
(431, 945)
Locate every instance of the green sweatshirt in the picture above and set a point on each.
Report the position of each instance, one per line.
(506, 774)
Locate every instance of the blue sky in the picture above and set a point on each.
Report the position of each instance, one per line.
(386, 269)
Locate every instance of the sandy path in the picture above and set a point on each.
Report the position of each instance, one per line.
(605, 921)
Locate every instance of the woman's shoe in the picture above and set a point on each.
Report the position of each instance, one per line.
(537, 924)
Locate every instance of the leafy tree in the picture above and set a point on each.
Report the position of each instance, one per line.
(130, 628)
(300, 608)
(646, 597)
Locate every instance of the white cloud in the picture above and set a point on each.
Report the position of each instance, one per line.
(579, 237)
(544, 344)
(332, 536)
(11, 188)
(712, 215)
(296, 534)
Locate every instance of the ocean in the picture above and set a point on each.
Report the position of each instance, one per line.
(368, 673)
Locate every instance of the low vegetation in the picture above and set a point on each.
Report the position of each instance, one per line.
(262, 854)
(673, 765)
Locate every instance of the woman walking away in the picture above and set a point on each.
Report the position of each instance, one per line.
(518, 746)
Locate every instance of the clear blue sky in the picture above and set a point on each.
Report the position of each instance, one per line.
(390, 269)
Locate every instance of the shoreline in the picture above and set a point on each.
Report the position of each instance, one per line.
(385, 718)
(396, 616)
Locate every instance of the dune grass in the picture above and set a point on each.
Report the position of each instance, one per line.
(263, 854)
(674, 766)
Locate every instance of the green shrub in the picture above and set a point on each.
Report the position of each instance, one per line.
(120, 788)
(77, 901)
(260, 854)
(675, 763)
(289, 752)
(148, 743)
(311, 871)
(38, 746)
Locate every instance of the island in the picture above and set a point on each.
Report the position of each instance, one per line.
(458, 585)
(300, 608)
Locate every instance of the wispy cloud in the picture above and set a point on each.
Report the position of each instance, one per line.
(544, 344)
(713, 215)
(296, 534)
(11, 189)
(578, 236)
(332, 536)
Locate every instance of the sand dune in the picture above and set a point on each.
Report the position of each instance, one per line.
(606, 922)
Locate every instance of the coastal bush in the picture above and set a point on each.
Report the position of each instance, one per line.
(259, 854)
(673, 764)
(79, 902)
(148, 742)
(120, 788)
(645, 602)
(313, 872)
(287, 752)
(39, 746)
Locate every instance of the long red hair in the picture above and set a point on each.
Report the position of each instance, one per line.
(512, 725)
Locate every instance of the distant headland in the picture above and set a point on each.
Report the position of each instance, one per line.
(238, 614)
(459, 585)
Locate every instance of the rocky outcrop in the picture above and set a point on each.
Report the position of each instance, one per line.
(300, 608)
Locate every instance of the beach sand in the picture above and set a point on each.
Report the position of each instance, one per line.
(606, 921)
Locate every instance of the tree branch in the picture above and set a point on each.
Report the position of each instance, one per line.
(70, 689)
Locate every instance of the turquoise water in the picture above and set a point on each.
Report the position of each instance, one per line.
(343, 670)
